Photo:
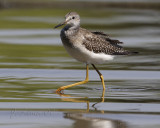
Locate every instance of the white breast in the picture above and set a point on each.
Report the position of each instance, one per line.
(81, 54)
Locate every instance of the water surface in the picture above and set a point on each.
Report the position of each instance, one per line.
(33, 64)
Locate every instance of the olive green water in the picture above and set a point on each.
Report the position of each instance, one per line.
(33, 64)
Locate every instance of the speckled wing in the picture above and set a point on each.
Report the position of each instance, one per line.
(98, 43)
(107, 38)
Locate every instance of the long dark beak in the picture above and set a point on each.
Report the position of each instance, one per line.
(59, 25)
(62, 24)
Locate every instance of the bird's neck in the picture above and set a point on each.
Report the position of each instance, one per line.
(71, 30)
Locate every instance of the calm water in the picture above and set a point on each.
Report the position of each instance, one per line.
(33, 64)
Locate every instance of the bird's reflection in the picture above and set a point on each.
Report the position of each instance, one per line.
(82, 121)
(90, 122)
(65, 97)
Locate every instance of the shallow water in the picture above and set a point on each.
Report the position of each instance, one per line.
(33, 64)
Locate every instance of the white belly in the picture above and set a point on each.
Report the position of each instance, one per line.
(81, 54)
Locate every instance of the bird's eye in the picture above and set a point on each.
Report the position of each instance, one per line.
(73, 17)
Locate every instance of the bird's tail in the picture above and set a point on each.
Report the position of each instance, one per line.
(125, 52)
(132, 53)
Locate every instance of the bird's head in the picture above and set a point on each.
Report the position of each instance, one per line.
(72, 19)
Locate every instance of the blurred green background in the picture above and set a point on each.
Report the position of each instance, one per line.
(26, 30)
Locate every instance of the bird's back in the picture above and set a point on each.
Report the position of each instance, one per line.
(99, 42)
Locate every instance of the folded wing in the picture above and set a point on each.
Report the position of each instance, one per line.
(99, 42)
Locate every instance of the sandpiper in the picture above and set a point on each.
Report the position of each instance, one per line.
(88, 47)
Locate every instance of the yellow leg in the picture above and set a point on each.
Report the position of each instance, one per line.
(103, 95)
(101, 76)
(78, 83)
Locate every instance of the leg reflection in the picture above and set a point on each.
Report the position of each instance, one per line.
(102, 100)
(69, 98)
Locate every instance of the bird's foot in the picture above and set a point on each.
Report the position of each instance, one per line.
(59, 91)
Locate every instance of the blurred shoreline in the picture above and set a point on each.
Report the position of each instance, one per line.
(6, 4)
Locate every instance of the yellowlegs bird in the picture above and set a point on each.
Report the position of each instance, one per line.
(87, 47)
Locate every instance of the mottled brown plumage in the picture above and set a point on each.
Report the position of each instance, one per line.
(100, 42)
